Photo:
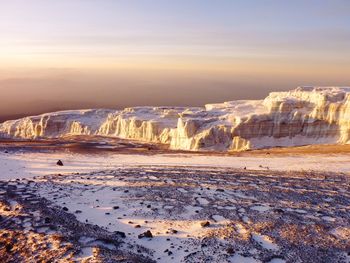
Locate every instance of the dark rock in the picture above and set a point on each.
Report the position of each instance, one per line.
(230, 251)
(220, 190)
(47, 220)
(137, 226)
(278, 210)
(205, 224)
(146, 234)
(8, 247)
(120, 233)
(65, 208)
(59, 163)
(115, 207)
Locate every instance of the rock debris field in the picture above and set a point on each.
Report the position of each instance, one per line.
(175, 214)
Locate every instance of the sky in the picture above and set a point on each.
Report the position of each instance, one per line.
(72, 54)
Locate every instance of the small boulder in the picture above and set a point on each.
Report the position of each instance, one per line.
(65, 208)
(205, 224)
(59, 163)
(120, 234)
(8, 247)
(146, 234)
(230, 250)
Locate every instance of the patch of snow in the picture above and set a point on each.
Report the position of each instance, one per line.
(265, 241)
(237, 258)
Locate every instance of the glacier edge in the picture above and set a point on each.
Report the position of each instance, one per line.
(303, 116)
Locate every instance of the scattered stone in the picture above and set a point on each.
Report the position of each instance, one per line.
(59, 163)
(137, 226)
(230, 250)
(278, 210)
(205, 224)
(8, 247)
(120, 234)
(220, 190)
(115, 207)
(146, 234)
(65, 208)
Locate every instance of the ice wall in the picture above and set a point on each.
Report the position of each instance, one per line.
(307, 115)
(55, 124)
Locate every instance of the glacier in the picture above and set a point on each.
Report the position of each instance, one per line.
(303, 116)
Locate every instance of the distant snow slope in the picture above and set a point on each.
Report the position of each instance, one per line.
(306, 115)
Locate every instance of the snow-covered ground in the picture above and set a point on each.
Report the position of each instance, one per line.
(275, 208)
(28, 164)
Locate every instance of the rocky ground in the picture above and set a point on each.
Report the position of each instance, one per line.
(174, 214)
(32, 229)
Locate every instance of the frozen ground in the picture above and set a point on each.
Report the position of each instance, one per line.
(28, 164)
(198, 207)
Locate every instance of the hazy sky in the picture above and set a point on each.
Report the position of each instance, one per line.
(116, 53)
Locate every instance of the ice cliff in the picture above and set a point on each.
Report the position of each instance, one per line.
(306, 115)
